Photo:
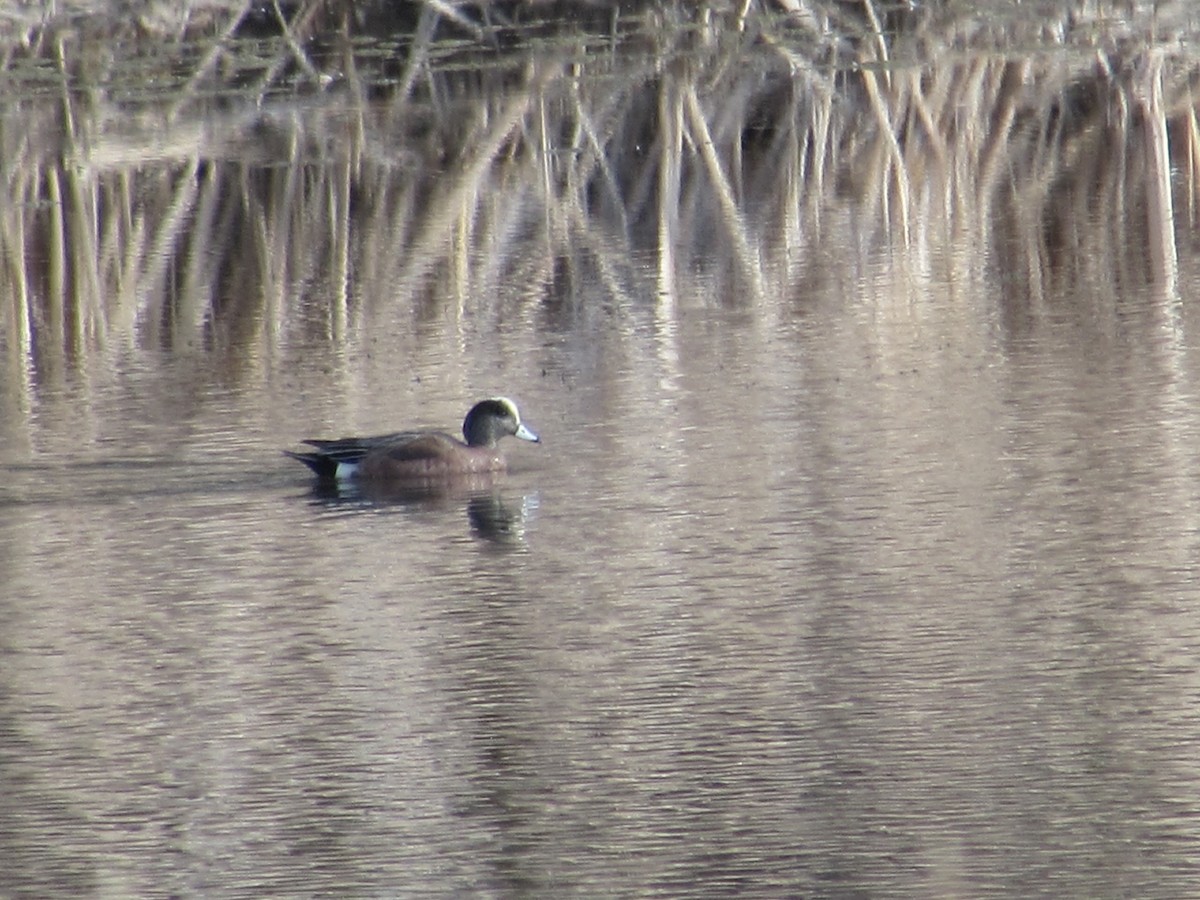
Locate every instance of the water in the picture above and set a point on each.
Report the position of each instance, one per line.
(768, 612)
(870, 572)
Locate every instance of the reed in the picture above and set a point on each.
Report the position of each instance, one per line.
(302, 171)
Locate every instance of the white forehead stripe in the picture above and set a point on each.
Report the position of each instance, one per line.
(508, 405)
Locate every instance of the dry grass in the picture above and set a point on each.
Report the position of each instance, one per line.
(254, 196)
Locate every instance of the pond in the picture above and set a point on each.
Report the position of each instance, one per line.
(858, 556)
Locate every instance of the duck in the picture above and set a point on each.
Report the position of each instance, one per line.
(421, 455)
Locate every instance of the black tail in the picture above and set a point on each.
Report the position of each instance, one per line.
(324, 467)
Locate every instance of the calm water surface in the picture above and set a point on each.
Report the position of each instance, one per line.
(879, 583)
(823, 602)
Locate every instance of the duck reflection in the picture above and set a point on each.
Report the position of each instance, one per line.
(495, 518)
(491, 513)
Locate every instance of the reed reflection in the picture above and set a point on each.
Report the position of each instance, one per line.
(754, 168)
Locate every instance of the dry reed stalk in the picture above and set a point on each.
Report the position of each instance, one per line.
(670, 172)
(418, 56)
(56, 264)
(80, 221)
(196, 289)
(466, 183)
(441, 8)
(339, 191)
(298, 29)
(731, 218)
(1192, 140)
(16, 285)
(594, 160)
(1161, 226)
(891, 167)
(954, 145)
(209, 61)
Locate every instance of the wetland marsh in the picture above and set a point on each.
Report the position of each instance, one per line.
(859, 554)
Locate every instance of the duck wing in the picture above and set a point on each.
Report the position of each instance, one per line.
(353, 449)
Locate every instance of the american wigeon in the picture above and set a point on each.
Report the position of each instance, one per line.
(421, 454)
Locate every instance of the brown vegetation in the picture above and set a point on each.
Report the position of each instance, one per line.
(246, 170)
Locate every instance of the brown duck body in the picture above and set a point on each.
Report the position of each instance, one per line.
(430, 455)
(416, 455)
